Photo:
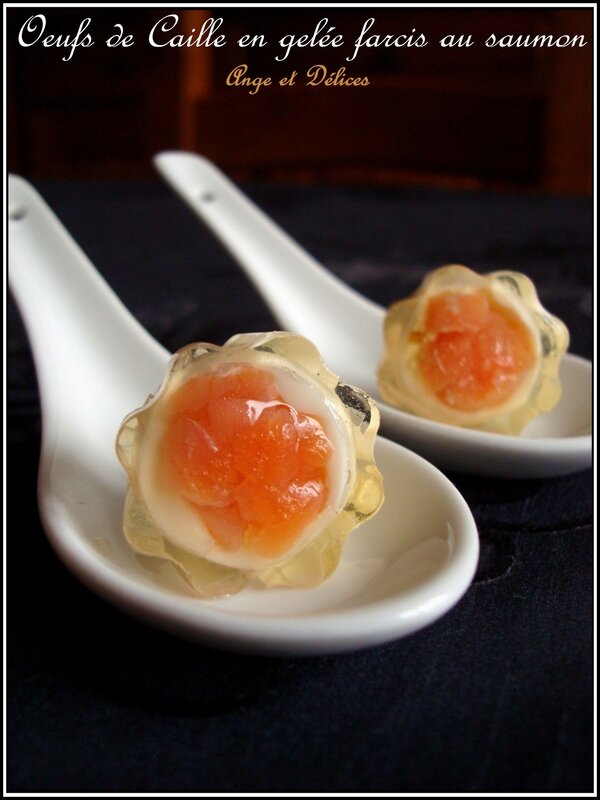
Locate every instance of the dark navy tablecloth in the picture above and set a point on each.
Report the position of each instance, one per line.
(496, 696)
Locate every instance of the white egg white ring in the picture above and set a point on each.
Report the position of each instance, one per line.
(176, 517)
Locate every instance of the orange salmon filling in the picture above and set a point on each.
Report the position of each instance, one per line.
(253, 467)
(475, 353)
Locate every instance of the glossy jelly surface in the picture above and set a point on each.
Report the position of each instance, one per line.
(476, 351)
(253, 466)
(250, 465)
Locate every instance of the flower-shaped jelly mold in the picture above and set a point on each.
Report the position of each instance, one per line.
(476, 351)
(250, 465)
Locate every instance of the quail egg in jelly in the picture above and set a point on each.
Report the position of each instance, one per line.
(250, 465)
(477, 351)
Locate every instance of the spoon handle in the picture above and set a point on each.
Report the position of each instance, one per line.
(75, 323)
(303, 296)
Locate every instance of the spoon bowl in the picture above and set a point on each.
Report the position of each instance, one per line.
(348, 330)
(400, 571)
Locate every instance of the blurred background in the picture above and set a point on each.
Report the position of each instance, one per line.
(517, 118)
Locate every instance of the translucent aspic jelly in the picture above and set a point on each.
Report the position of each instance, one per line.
(476, 351)
(250, 465)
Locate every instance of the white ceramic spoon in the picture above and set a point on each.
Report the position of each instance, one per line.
(347, 329)
(400, 571)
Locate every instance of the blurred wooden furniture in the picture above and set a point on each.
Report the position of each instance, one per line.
(472, 117)
(462, 117)
(99, 115)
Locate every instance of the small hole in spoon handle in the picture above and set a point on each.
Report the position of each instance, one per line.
(16, 213)
(208, 197)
